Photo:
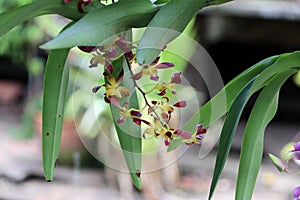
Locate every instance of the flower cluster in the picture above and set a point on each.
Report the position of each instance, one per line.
(106, 54)
(158, 111)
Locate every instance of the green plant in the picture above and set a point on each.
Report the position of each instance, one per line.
(94, 23)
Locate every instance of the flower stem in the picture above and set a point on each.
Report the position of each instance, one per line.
(144, 94)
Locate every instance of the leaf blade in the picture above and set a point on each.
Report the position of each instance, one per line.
(128, 133)
(104, 23)
(220, 103)
(166, 25)
(228, 132)
(252, 147)
(55, 87)
(216, 108)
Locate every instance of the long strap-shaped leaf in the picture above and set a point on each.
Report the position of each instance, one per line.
(129, 134)
(55, 86)
(103, 23)
(228, 132)
(12, 18)
(252, 148)
(167, 24)
(219, 104)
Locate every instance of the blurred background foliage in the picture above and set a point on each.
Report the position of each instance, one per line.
(19, 46)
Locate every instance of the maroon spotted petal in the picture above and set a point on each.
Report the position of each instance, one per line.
(200, 129)
(162, 93)
(129, 55)
(137, 121)
(180, 104)
(155, 61)
(164, 65)
(135, 113)
(137, 76)
(87, 49)
(167, 142)
(82, 3)
(109, 67)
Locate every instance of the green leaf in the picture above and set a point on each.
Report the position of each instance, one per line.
(161, 1)
(103, 23)
(220, 104)
(10, 19)
(285, 61)
(55, 86)
(129, 134)
(217, 2)
(228, 132)
(166, 25)
(252, 148)
(70, 11)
